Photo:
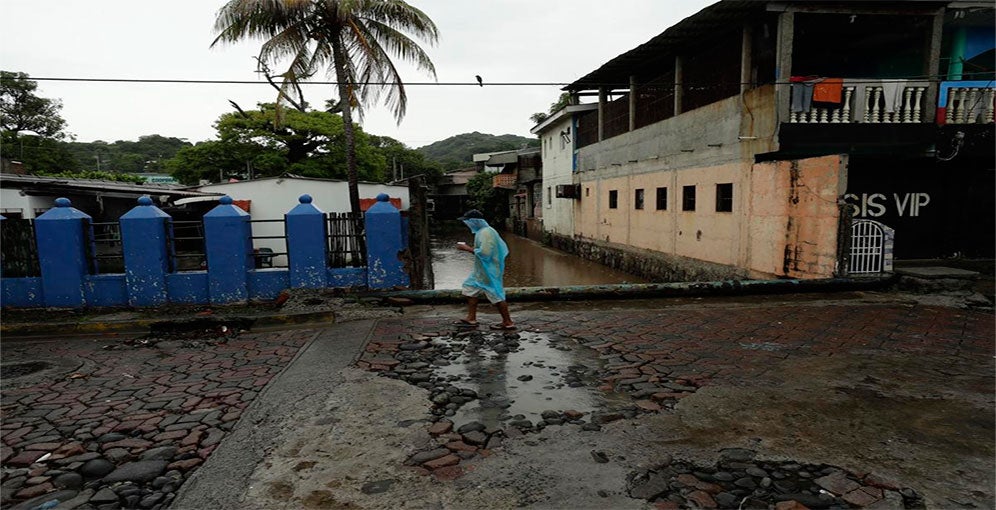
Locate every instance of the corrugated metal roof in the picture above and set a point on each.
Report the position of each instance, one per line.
(718, 19)
(40, 183)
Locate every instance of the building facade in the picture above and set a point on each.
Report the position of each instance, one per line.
(751, 139)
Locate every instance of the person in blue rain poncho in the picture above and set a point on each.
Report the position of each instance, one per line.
(489, 266)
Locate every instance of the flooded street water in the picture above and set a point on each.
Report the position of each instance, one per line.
(529, 264)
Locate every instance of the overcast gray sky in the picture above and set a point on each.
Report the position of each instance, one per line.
(501, 40)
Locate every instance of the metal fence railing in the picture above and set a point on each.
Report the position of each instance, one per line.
(18, 250)
(272, 250)
(104, 251)
(345, 246)
(185, 244)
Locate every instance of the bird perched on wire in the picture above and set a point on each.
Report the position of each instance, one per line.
(479, 80)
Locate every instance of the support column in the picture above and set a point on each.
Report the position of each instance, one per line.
(932, 66)
(783, 65)
(746, 59)
(679, 87)
(61, 243)
(146, 259)
(307, 246)
(956, 64)
(632, 103)
(601, 113)
(228, 243)
(385, 269)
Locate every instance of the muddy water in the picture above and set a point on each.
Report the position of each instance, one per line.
(545, 373)
(529, 264)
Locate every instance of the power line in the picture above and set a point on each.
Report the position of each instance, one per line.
(256, 82)
(586, 84)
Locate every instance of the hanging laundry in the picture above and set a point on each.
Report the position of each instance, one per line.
(828, 90)
(892, 94)
(802, 93)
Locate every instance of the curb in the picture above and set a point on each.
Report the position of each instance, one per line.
(145, 325)
(514, 294)
(657, 290)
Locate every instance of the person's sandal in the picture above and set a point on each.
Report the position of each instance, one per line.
(502, 327)
(465, 323)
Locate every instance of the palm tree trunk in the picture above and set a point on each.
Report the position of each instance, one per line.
(345, 99)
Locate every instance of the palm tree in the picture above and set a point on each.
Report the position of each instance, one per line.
(353, 40)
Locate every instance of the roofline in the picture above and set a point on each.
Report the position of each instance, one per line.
(294, 177)
(555, 116)
(12, 180)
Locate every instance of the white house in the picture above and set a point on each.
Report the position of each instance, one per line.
(557, 135)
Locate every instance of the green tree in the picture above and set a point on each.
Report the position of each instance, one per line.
(252, 144)
(352, 40)
(405, 162)
(562, 101)
(22, 110)
(38, 154)
(491, 201)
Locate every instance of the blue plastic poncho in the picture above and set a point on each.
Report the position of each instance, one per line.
(489, 264)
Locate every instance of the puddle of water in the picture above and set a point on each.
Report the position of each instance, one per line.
(543, 374)
(14, 370)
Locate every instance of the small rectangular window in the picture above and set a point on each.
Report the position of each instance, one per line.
(661, 199)
(613, 199)
(724, 197)
(688, 198)
(638, 199)
(549, 196)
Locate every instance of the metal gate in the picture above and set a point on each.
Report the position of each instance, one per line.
(867, 247)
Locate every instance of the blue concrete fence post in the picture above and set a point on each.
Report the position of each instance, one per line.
(228, 243)
(62, 256)
(384, 242)
(307, 247)
(146, 259)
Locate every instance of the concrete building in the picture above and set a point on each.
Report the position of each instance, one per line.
(556, 135)
(520, 174)
(784, 139)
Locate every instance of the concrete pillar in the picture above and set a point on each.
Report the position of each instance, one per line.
(62, 245)
(228, 243)
(956, 64)
(746, 61)
(307, 246)
(679, 78)
(146, 256)
(601, 113)
(385, 269)
(632, 103)
(783, 64)
(932, 66)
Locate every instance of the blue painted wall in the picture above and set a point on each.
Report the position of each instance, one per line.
(63, 236)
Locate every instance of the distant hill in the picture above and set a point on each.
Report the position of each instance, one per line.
(458, 151)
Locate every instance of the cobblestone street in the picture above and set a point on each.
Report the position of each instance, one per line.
(147, 413)
(112, 422)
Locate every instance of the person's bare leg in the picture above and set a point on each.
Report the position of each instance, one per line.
(472, 310)
(506, 318)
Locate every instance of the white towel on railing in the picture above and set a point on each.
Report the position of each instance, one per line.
(892, 93)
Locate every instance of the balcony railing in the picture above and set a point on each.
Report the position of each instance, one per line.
(870, 101)
(966, 102)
